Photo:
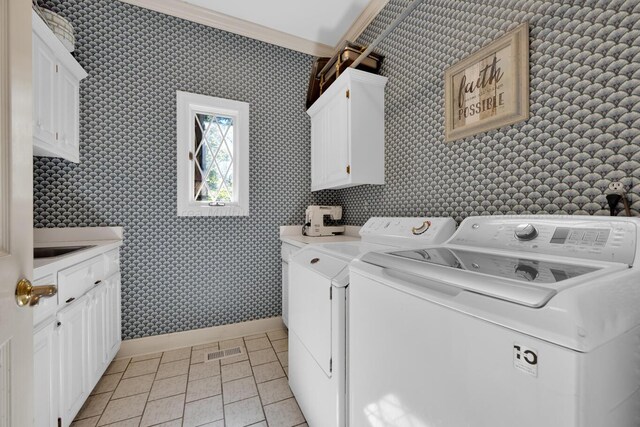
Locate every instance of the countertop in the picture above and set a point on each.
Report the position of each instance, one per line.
(292, 234)
(101, 239)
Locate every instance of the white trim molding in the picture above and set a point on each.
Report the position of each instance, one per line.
(190, 12)
(188, 106)
(210, 18)
(362, 22)
(165, 342)
(5, 122)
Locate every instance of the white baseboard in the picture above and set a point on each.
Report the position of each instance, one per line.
(158, 343)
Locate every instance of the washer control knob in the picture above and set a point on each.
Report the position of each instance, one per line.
(526, 232)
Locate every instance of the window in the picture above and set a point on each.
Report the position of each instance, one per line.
(213, 156)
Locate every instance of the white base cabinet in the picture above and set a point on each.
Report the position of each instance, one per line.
(347, 132)
(56, 99)
(75, 344)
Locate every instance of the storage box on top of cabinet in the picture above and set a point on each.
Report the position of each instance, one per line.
(56, 99)
(347, 132)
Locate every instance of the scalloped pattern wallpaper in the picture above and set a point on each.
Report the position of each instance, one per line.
(187, 273)
(584, 129)
(179, 273)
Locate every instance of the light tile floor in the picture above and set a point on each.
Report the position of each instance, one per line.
(177, 388)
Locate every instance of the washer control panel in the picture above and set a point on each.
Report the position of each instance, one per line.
(594, 237)
(597, 238)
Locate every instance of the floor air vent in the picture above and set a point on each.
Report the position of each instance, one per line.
(223, 354)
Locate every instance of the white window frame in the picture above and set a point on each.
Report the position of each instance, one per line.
(188, 104)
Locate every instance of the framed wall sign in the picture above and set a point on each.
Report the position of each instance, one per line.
(490, 88)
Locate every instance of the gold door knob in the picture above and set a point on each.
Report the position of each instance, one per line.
(27, 294)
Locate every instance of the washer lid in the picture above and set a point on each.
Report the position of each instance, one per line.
(523, 280)
(522, 269)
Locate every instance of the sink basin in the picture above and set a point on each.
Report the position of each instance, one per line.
(54, 251)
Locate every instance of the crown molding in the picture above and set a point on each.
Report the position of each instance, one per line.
(362, 22)
(184, 10)
(188, 11)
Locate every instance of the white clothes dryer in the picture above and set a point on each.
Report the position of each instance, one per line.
(318, 305)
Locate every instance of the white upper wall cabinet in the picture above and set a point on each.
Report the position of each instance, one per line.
(56, 99)
(347, 132)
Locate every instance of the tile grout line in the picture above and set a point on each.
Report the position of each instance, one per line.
(186, 390)
(149, 395)
(253, 374)
(189, 368)
(145, 404)
(112, 392)
(286, 376)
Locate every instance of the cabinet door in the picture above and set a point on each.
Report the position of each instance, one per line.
(44, 76)
(337, 139)
(113, 316)
(74, 363)
(46, 376)
(67, 113)
(97, 333)
(319, 131)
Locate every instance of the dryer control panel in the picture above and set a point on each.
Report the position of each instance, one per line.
(597, 238)
(407, 232)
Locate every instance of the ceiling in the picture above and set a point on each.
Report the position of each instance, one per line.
(316, 28)
(323, 22)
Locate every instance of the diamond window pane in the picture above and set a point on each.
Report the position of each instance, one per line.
(213, 159)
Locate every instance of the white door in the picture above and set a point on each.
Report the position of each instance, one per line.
(16, 213)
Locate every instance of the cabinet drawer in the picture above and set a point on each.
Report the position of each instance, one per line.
(75, 281)
(111, 262)
(46, 306)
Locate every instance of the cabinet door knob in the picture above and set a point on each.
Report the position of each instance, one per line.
(70, 300)
(97, 282)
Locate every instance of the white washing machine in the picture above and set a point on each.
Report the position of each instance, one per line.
(521, 321)
(318, 277)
